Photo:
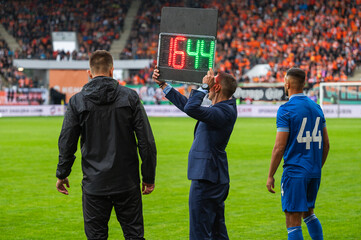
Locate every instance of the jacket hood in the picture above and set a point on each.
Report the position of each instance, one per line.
(101, 90)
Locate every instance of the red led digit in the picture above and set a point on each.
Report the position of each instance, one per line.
(178, 52)
(170, 52)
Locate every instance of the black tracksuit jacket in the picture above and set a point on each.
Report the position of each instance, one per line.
(112, 124)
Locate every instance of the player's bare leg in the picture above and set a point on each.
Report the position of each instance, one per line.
(293, 219)
(313, 225)
(307, 214)
(293, 223)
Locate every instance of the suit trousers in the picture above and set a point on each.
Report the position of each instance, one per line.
(206, 210)
(127, 206)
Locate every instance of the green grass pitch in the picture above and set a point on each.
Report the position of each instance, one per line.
(31, 208)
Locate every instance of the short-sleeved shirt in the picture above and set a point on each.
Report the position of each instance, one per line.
(304, 120)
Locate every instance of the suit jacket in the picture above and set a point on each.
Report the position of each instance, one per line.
(207, 157)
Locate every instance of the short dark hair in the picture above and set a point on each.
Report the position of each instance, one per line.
(298, 75)
(228, 83)
(100, 61)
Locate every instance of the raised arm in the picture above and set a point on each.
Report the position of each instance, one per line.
(218, 115)
(171, 94)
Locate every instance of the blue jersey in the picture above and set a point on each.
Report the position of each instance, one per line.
(304, 120)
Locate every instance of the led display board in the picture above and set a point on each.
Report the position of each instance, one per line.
(187, 44)
(186, 52)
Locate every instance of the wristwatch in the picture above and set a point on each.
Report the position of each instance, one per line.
(205, 86)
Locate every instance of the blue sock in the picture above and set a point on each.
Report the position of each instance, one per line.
(314, 227)
(295, 233)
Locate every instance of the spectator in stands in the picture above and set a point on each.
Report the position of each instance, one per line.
(97, 24)
(313, 97)
(320, 37)
(10, 74)
(56, 97)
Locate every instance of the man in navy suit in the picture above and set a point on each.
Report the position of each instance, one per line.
(207, 159)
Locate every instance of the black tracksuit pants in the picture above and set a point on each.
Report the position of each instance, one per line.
(127, 206)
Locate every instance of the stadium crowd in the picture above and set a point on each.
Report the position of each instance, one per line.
(143, 40)
(97, 23)
(321, 37)
(10, 75)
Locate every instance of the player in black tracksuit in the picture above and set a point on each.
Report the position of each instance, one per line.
(112, 124)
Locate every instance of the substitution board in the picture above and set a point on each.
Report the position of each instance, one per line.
(187, 44)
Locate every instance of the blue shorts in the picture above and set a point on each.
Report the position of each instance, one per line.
(298, 194)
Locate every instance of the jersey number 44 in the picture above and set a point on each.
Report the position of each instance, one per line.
(316, 135)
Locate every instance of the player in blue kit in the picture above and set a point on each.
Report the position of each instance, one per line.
(303, 142)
